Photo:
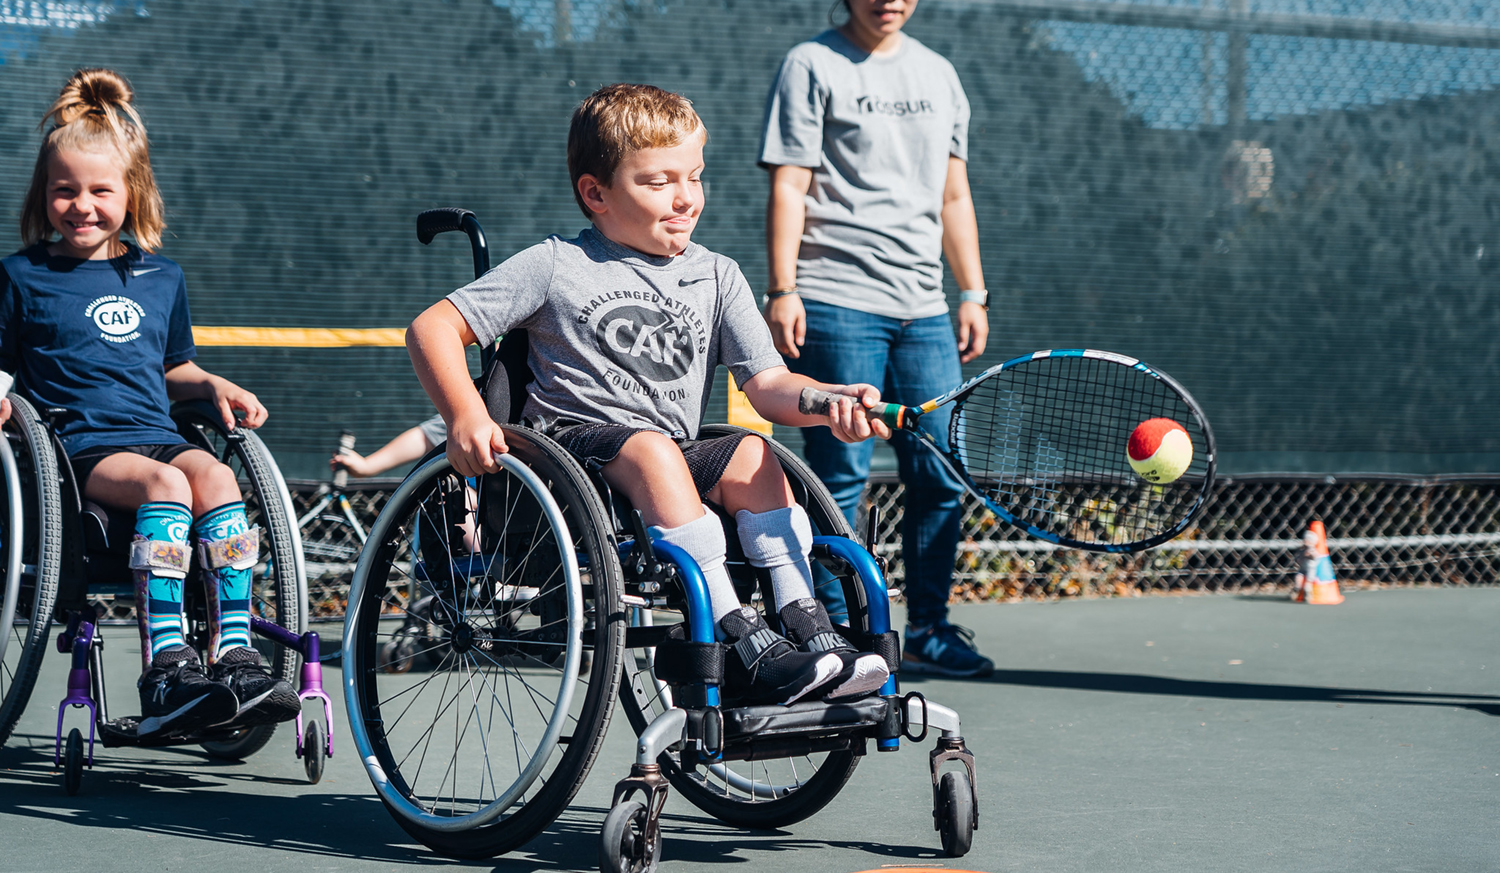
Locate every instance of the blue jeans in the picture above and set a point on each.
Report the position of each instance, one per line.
(911, 362)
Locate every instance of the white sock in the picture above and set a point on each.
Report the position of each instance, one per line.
(703, 540)
(779, 541)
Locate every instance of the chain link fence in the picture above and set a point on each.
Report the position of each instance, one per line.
(1382, 531)
(1391, 531)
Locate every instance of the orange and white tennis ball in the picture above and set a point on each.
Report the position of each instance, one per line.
(1159, 450)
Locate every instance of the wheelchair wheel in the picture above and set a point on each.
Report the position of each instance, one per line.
(477, 754)
(766, 793)
(279, 592)
(32, 561)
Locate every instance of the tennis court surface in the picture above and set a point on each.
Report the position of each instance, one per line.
(1155, 734)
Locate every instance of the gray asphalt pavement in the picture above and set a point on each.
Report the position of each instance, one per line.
(1158, 734)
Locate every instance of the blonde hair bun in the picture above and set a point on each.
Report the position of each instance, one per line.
(93, 112)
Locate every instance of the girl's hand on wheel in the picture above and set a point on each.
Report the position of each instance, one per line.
(4, 410)
(231, 398)
(474, 444)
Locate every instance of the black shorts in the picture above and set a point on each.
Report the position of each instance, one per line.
(86, 460)
(595, 445)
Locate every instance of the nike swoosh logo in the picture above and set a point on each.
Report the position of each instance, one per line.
(144, 270)
(683, 283)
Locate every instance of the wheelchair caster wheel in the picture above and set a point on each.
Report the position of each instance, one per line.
(73, 762)
(394, 657)
(313, 751)
(955, 814)
(625, 842)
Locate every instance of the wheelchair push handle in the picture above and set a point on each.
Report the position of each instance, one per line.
(453, 218)
(346, 445)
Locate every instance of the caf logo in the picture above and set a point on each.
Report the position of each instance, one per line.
(648, 343)
(118, 318)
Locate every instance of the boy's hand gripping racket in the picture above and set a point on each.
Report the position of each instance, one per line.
(1052, 441)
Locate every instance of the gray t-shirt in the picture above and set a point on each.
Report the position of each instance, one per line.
(620, 337)
(877, 132)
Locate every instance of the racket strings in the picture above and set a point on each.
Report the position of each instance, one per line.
(1046, 441)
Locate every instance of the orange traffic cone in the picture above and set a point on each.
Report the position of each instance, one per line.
(1316, 584)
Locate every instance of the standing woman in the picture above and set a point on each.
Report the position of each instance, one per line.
(866, 137)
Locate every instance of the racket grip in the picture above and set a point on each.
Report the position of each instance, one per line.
(346, 445)
(816, 402)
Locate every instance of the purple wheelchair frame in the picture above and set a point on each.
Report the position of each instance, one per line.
(86, 677)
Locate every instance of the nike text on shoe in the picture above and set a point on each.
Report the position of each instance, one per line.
(178, 698)
(806, 624)
(764, 668)
(945, 650)
(263, 698)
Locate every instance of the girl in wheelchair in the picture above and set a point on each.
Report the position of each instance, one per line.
(626, 324)
(98, 328)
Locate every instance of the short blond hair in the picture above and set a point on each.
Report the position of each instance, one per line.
(619, 119)
(93, 113)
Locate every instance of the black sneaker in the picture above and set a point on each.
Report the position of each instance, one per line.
(806, 624)
(765, 668)
(178, 698)
(264, 699)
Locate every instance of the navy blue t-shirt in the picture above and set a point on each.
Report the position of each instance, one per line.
(96, 338)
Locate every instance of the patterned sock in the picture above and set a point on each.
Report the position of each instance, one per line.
(779, 541)
(703, 540)
(228, 588)
(162, 605)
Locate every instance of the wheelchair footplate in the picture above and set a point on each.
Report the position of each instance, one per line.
(123, 732)
(805, 719)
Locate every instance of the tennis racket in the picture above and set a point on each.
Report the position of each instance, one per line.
(1042, 441)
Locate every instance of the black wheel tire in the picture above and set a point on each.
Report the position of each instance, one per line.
(545, 801)
(280, 595)
(622, 841)
(312, 751)
(73, 762)
(41, 547)
(835, 769)
(955, 814)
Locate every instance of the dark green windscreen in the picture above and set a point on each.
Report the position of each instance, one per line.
(1292, 213)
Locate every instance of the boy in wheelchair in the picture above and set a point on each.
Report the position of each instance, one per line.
(626, 324)
(98, 329)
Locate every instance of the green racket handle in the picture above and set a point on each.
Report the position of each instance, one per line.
(895, 416)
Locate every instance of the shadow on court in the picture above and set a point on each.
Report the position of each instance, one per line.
(1134, 683)
(185, 794)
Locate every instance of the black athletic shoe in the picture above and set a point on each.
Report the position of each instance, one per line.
(178, 698)
(264, 699)
(764, 668)
(806, 624)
